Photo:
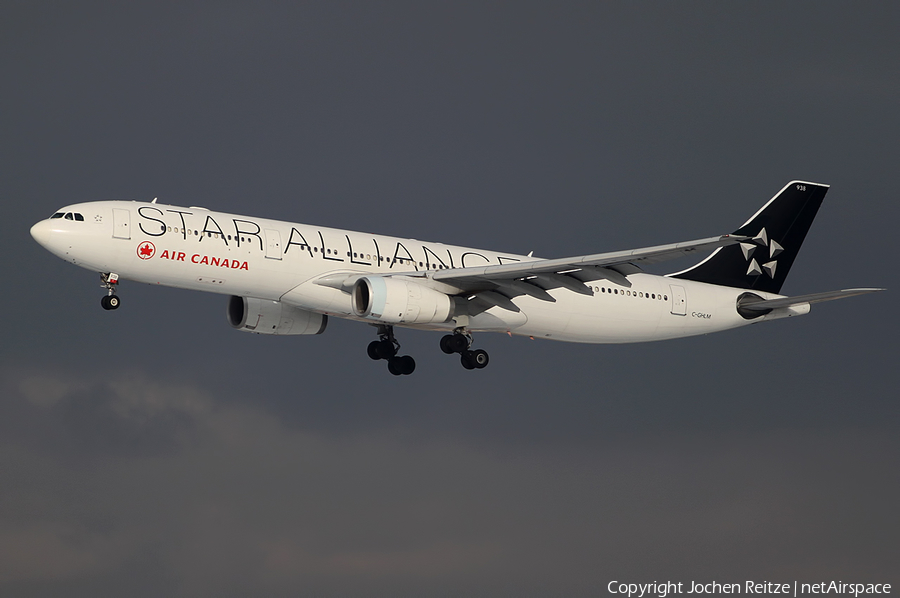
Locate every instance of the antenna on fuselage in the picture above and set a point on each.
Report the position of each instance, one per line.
(154, 200)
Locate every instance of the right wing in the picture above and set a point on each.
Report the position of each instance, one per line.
(535, 277)
(497, 284)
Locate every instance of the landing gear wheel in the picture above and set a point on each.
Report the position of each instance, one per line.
(477, 359)
(386, 349)
(372, 350)
(447, 344)
(394, 366)
(109, 302)
(480, 358)
(401, 366)
(458, 343)
(407, 365)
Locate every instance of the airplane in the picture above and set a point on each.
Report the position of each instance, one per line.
(284, 278)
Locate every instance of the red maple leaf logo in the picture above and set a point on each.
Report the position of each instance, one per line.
(146, 250)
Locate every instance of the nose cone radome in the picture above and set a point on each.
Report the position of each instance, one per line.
(42, 232)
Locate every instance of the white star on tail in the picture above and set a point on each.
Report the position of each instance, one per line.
(762, 239)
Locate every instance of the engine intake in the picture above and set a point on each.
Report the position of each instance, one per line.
(272, 317)
(399, 301)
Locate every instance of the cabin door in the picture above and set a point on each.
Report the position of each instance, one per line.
(679, 300)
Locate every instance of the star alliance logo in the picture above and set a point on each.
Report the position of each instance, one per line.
(761, 242)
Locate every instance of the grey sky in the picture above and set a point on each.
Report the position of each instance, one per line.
(154, 450)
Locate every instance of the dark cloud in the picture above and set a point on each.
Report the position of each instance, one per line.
(248, 503)
(156, 450)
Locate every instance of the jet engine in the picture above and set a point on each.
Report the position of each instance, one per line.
(399, 301)
(272, 317)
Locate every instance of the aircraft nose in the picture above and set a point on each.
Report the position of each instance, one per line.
(42, 232)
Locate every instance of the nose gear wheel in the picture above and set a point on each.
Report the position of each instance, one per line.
(109, 281)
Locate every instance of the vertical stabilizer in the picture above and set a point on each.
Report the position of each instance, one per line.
(775, 234)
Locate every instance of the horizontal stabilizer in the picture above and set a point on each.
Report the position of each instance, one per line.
(766, 305)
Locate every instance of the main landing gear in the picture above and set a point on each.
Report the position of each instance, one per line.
(109, 281)
(461, 342)
(386, 348)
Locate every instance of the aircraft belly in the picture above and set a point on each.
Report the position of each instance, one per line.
(314, 297)
(497, 319)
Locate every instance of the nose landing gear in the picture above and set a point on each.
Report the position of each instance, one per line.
(461, 342)
(386, 347)
(109, 281)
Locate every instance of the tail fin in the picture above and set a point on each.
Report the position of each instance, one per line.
(775, 234)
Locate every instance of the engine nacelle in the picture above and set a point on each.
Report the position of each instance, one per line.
(399, 301)
(272, 317)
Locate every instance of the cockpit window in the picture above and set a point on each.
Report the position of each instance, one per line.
(57, 215)
(79, 217)
(69, 216)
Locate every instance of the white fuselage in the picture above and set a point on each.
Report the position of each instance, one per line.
(195, 248)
